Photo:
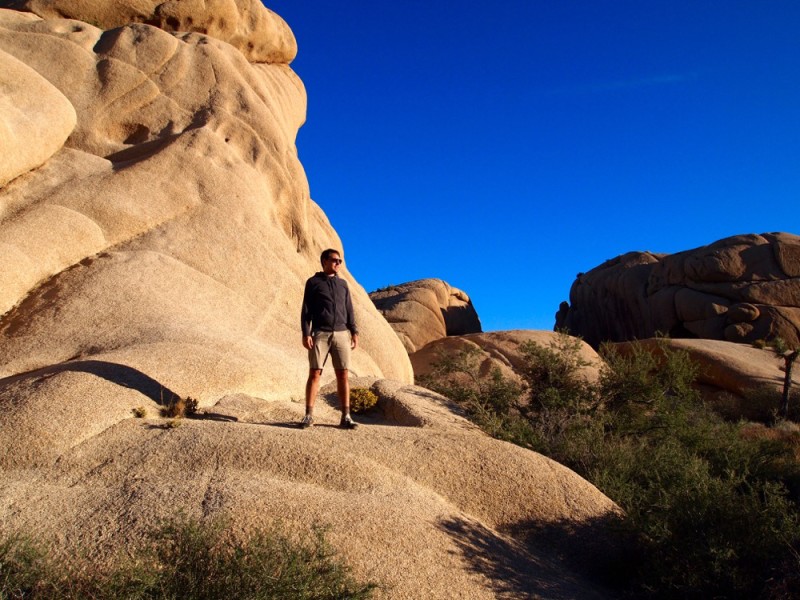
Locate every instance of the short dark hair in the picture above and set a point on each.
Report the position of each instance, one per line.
(326, 254)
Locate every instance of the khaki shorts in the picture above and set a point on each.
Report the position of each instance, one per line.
(335, 343)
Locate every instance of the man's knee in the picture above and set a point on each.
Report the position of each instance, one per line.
(314, 374)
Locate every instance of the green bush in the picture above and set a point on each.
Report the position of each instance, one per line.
(709, 506)
(492, 402)
(362, 400)
(188, 560)
(553, 377)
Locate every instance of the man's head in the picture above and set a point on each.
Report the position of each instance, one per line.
(331, 261)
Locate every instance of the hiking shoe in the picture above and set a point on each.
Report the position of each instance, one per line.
(308, 421)
(347, 422)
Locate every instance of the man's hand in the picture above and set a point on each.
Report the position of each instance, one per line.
(308, 342)
(354, 341)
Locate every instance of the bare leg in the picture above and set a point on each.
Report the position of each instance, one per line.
(343, 390)
(312, 387)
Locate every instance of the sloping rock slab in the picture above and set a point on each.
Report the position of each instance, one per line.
(417, 498)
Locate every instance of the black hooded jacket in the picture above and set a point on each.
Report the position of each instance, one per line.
(327, 305)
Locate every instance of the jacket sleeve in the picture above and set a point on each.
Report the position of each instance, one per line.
(351, 319)
(305, 311)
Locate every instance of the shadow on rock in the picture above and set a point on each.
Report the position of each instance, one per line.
(577, 563)
(211, 416)
(116, 373)
(603, 550)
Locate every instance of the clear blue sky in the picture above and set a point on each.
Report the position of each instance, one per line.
(505, 146)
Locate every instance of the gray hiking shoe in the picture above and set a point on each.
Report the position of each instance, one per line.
(347, 422)
(308, 421)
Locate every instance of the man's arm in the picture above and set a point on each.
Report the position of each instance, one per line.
(351, 321)
(305, 317)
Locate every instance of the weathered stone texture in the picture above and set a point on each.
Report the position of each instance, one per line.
(257, 32)
(426, 310)
(740, 289)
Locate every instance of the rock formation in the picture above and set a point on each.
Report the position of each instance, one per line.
(32, 109)
(257, 32)
(155, 233)
(174, 226)
(739, 289)
(499, 349)
(425, 310)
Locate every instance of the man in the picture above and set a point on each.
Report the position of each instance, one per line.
(329, 327)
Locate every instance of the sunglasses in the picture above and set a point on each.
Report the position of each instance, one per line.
(336, 261)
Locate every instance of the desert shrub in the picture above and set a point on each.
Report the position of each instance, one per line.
(491, 401)
(140, 412)
(24, 570)
(175, 408)
(712, 517)
(188, 560)
(644, 393)
(362, 400)
(190, 406)
(202, 562)
(559, 404)
(553, 378)
(459, 376)
(179, 407)
(709, 505)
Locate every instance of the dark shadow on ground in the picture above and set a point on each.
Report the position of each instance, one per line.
(210, 416)
(603, 549)
(117, 374)
(540, 562)
(295, 425)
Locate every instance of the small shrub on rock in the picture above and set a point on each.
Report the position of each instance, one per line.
(362, 400)
(180, 407)
(140, 412)
(190, 406)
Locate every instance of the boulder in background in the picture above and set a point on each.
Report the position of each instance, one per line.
(426, 310)
(739, 289)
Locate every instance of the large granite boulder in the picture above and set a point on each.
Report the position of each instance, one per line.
(155, 246)
(257, 32)
(425, 310)
(740, 289)
(173, 231)
(31, 109)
